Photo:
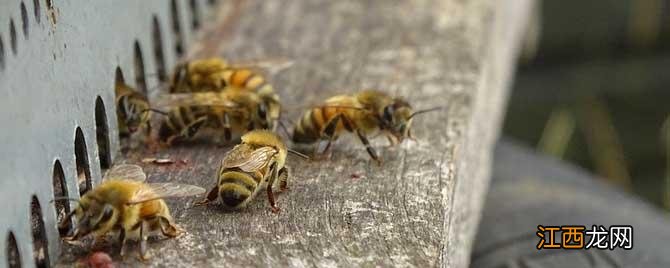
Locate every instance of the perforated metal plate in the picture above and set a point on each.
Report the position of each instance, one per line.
(57, 70)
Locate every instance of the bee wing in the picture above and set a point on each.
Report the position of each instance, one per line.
(126, 171)
(248, 160)
(271, 65)
(340, 107)
(199, 98)
(155, 191)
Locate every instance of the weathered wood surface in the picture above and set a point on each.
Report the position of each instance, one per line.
(422, 206)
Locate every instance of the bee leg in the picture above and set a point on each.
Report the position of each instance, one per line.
(226, 127)
(122, 241)
(368, 147)
(329, 132)
(270, 182)
(410, 136)
(193, 128)
(64, 225)
(283, 179)
(392, 141)
(211, 196)
(143, 242)
(167, 228)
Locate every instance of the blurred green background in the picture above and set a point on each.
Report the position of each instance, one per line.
(593, 89)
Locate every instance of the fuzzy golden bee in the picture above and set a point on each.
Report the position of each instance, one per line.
(257, 163)
(124, 203)
(363, 113)
(132, 110)
(214, 74)
(226, 112)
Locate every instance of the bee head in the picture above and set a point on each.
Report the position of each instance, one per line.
(93, 215)
(396, 118)
(137, 114)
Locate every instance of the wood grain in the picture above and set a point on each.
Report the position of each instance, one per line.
(422, 206)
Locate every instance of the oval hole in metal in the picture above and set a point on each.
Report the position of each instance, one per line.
(102, 135)
(118, 76)
(36, 10)
(157, 35)
(24, 19)
(2, 54)
(12, 36)
(81, 160)
(176, 28)
(40, 243)
(195, 14)
(12, 250)
(60, 191)
(140, 77)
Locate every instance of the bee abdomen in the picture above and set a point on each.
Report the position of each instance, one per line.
(235, 188)
(246, 78)
(307, 130)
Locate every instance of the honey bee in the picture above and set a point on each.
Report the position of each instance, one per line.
(363, 113)
(214, 74)
(132, 110)
(258, 162)
(198, 75)
(225, 112)
(125, 203)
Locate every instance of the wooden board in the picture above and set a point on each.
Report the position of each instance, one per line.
(422, 206)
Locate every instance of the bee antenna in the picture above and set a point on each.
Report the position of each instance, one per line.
(64, 198)
(299, 154)
(425, 111)
(156, 111)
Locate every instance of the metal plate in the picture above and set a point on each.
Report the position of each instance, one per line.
(57, 69)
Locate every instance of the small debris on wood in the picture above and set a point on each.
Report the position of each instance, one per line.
(158, 161)
(97, 259)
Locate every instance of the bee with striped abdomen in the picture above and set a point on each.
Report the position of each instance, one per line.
(214, 74)
(198, 75)
(363, 113)
(257, 163)
(125, 203)
(226, 112)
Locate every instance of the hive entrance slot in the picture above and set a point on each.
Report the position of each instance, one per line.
(12, 36)
(40, 243)
(157, 35)
(36, 9)
(24, 19)
(118, 76)
(60, 192)
(176, 28)
(2, 54)
(195, 14)
(102, 135)
(83, 166)
(13, 256)
(140, 78)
